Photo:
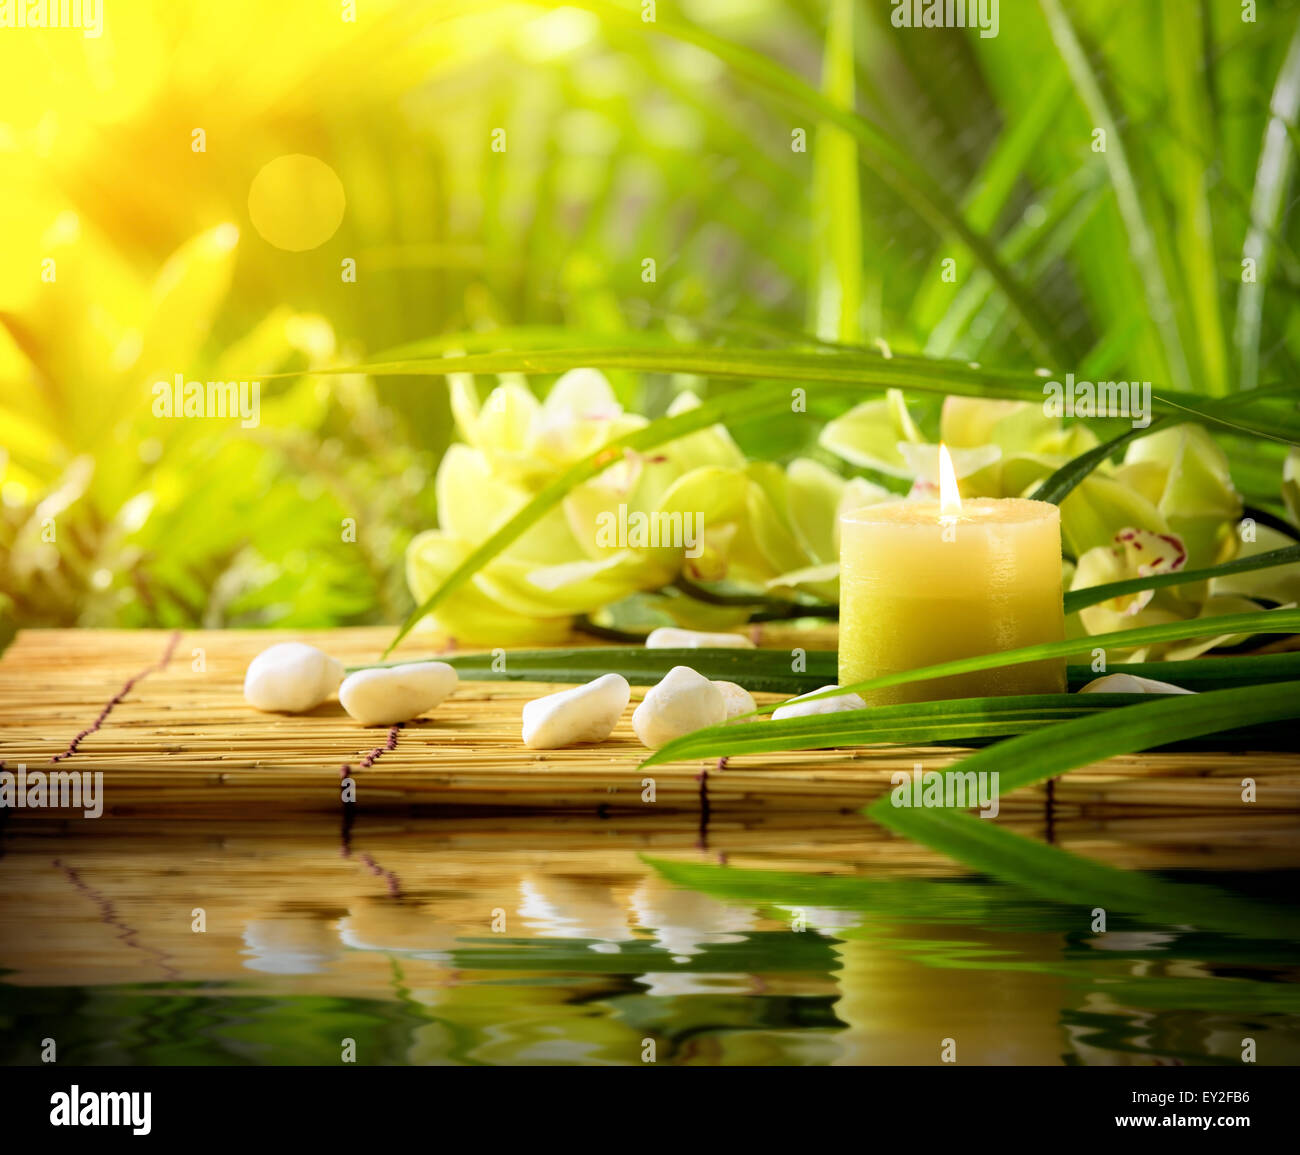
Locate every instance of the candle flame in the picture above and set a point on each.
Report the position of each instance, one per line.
(949, 495)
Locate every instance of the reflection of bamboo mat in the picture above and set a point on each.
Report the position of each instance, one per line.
(174, 738)
(111, 902)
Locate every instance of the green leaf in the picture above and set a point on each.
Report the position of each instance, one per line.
(1154, 721)
(757, 670)
(857, 372)
(958, 720)
(1264, 622)
(1204, 674)
(1076, 600)
(768, 671)
(837, 226)
(1196, 166)
(1059, 486)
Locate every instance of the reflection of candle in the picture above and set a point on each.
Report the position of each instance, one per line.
(899, 1001)
(923, 582)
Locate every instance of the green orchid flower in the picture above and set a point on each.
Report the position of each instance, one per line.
(1184, 473)
(791, 539)
(632, 529)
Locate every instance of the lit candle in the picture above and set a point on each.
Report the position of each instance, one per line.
(924, 582)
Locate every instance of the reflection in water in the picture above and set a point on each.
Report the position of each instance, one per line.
(555, 941)
(984, 1014)
(684, 922)
(289, 945)
(379, 924)
(569, 907)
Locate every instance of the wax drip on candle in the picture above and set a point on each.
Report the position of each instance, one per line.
(949, 495)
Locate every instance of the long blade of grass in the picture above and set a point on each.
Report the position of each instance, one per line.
(1204, 674)
(762, 671)
(1268, 200)
(1195, 158)
(1156, 721)
(855, 372)
(837, 226)
(1263, 622)
(1076, 600)
(771, 671)
(957, 721)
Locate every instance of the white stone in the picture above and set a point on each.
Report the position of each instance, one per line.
(737, 700)
(291, 677)
(798, 708)
(385, 696)
(683, 702)
(671, 638)
(1130, 684)
(584, 714)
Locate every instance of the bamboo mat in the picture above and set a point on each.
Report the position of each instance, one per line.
(162, 716)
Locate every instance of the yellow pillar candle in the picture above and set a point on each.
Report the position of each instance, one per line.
(924, 582)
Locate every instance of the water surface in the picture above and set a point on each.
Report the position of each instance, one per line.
(524, 940)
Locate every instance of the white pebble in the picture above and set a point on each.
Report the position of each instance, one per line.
(1130, 684)
(737, 700)
(671, 638)
(291, 677)
(584, 714)
(386, 696)
(684, 701)
(798, 708)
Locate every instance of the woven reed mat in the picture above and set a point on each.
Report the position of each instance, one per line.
(173, 736)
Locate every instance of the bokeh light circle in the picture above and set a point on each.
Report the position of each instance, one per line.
(296, 202)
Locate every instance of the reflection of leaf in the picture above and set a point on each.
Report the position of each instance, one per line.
(1066, 878)
(1000, 901)
(912, 899)
(755, 954)
(1012, 901)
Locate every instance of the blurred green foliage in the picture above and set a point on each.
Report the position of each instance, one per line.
(624, 141)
